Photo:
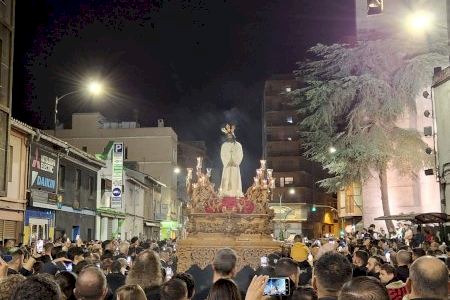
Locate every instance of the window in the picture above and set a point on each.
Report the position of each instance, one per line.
(84, 148)
(289, 120)
(374, 7)
(288, 180)
(10, 164)
(77, 179)
(62, 177)
(91, 186)
(281, 181)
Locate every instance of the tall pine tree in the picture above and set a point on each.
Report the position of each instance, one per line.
(352, 101)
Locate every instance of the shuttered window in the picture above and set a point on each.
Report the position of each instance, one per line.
(8, 230)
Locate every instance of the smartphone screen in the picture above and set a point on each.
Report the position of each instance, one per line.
(388, 257)
(40, 246)
(264, 261)
(277, 286)
(169, 272)
(69, 266)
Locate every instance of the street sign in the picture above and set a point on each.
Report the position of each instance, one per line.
(117, 175)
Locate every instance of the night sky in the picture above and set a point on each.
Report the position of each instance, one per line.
(196, 64)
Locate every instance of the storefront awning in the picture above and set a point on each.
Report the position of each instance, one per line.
(151, 224)
(426, 218)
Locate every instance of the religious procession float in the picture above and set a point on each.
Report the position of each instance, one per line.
(227, 217)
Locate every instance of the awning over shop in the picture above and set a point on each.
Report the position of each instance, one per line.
(151, 224)
(426, 218)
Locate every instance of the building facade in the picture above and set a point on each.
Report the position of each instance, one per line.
(407, 194)
(7, 19)
(62, 188)
(12, 207)
(152, 149)
(441, 111)
(300, 206)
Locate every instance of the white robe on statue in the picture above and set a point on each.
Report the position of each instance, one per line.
(231, 155)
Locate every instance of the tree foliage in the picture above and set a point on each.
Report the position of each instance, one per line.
(353, 98)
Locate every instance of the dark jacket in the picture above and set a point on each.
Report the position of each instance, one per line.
(402, 273)
(359, 271)
(115, 281)
(152, 293)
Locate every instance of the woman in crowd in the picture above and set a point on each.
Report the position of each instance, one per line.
(146, 272)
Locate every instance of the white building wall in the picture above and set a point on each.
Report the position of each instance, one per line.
(408, 194)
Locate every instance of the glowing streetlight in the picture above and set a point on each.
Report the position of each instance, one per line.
(95, 88)
(176, 170)
(332, 150)
(291, 191)
(419, 21)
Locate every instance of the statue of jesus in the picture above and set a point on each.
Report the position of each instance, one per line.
(231, 155)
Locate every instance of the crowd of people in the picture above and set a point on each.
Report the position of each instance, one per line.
(361, 266)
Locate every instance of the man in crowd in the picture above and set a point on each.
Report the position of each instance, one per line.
(17, 265)
(396, 288)
(189, 281)
(331, 272)
(373, 266)
(37, 287)
(428, 279)
(174, 289)
(299, 253)
(224, 266)
(404, 259)
(287, 267)
(417, 252)
(91, 284)
(360, 259)
(363, 288)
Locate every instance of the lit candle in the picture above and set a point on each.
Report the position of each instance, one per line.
(263, 164)
(259, 173)
(199, 162)
(264, 183)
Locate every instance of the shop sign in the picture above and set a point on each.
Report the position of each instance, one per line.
(117, 175)
(43, 169)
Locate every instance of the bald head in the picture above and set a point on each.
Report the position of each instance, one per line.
(91, 284)
(404, 258)
(428, 277)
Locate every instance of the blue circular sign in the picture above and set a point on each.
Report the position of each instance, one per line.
(116, 192)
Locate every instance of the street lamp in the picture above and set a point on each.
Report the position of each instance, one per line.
(94, 88)
(176, 170)
(419, 21)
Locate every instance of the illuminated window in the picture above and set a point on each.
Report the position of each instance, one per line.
(288, 180)
(281, 181)
(374, 7)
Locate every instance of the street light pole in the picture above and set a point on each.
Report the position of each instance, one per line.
(57, 99)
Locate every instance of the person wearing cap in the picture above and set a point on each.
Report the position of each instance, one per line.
(299, 253)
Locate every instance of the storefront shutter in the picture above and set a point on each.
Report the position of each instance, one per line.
(10, 230)
(109, 229)
(1, 230)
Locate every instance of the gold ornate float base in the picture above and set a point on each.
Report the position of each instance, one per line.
(248, 235)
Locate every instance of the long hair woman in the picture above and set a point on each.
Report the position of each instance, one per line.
(224, 289)
(146, 272)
